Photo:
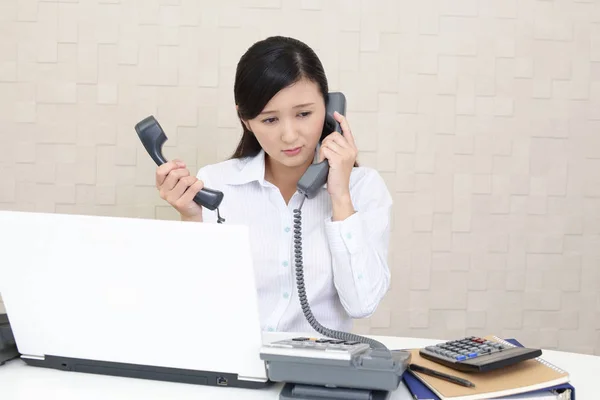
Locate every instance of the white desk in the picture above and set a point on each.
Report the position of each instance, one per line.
(21, 382)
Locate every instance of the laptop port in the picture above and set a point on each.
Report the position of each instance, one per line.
(221, 381)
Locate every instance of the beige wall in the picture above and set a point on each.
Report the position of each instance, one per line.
(483, 117)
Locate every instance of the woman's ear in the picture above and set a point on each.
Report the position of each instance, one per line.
(245, 122)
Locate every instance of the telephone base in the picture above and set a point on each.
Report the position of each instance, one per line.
(296, 391)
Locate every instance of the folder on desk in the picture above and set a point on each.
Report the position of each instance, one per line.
(556, 381)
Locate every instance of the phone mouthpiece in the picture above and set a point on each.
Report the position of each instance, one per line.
(313, 179)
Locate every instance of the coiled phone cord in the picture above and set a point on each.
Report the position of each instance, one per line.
(346, 336)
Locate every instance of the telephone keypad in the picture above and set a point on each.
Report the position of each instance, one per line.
(324, 345)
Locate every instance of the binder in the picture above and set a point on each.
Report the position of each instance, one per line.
(564, 391)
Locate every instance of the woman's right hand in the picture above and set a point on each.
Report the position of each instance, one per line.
(178, 188)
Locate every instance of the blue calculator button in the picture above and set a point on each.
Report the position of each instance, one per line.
(460, 357)
(471, 355)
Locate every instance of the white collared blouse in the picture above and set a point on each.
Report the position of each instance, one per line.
(346, 271)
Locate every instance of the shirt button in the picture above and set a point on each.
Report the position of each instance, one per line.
(285, 263)
(270, 329)
(287, 229)
(360, 276)
(286, 295)
(349, 235)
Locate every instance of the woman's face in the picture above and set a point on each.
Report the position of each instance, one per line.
(290, 126)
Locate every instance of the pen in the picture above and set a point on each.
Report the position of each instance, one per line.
(441, 375)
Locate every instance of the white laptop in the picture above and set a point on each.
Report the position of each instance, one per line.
(142, 298)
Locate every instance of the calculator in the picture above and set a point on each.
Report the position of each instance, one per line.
(474, 354)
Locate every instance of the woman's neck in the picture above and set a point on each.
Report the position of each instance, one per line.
(285, 178)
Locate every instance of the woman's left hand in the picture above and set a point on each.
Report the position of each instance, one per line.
(341, 152)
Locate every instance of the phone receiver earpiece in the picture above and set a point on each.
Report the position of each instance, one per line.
(153, 138)
(332, 124)
(316, 174)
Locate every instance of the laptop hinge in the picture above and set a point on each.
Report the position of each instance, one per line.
(32, 357)
(252, 379)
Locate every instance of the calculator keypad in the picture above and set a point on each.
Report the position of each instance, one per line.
(470, 347)
(474, 354)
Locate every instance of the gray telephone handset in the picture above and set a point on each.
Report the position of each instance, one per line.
(153, 137)
(345, 366)
(316, 174)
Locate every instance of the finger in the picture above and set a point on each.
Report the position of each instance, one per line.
(191, 192)
(345, 127)
(329, 155)
(348, 150)
(163, 170)
(334, 137)
(340, 140)
(172, 179)
(334, 147)
(174, 195)
(321, 154)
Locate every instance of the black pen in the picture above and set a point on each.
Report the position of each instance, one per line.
(441, 375)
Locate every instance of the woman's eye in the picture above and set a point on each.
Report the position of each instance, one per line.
(272, 120)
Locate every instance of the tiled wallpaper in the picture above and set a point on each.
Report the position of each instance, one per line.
(483, 116)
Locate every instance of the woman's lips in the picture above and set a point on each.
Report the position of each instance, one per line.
(292, 152)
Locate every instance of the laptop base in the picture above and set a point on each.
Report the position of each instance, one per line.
(209, 378)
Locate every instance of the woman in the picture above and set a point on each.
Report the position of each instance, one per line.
(280, 92)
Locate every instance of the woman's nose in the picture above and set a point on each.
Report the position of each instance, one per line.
(288, 132)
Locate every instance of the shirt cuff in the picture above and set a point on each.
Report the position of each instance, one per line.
(346, 235)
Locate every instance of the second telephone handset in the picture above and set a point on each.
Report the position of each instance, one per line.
(153, 137)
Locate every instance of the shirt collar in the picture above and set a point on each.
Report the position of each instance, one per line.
(250, 169)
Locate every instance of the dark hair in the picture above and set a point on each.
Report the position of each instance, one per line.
(267, 67)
